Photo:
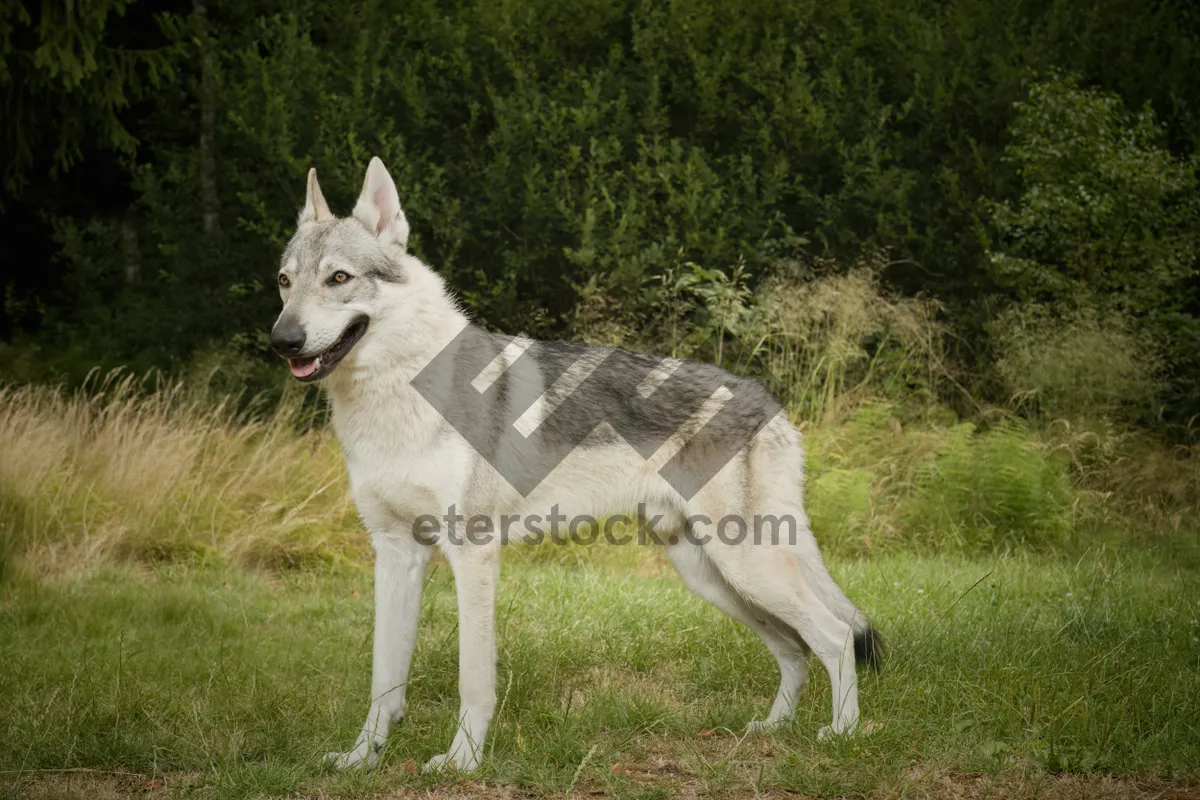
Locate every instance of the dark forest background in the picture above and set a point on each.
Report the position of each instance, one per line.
(575, 168)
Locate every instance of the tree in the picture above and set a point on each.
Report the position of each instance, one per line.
(65, 81)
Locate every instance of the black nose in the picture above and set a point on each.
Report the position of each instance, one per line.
(287, 338)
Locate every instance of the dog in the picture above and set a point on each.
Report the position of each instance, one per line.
(440, 419)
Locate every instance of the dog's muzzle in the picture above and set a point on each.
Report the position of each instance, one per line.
(313, 368)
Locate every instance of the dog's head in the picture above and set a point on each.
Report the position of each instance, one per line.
(336, 276)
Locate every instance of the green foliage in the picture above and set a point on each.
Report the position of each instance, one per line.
(1107, 211)
(1103, 236)
(827, 345)
(65, 84)
(703, 307)
(998, 488)
(841, 504)
(880, 484)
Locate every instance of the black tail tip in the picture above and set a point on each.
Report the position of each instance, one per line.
(868, 648)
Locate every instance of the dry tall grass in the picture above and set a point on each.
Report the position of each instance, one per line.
(1079, 364)
(117, 471)
(832, 344)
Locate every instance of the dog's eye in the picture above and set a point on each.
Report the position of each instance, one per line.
(284, 281)
(339, 277)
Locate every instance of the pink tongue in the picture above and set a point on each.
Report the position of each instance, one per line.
(303, 367)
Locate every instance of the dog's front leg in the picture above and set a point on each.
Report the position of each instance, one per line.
(399, 580)
(476, 570)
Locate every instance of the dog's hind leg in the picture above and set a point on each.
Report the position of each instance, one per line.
(773, 561)
(790, 652)
(769, 578)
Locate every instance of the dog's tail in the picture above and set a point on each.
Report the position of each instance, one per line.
(868, 648)
(868, 643)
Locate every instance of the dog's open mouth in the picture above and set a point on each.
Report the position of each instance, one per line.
(317, 367)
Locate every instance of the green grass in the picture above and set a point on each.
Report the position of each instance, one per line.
(233, 683)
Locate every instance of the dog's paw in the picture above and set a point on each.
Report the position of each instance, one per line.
(362, 755)
(761, 726)
(446, 761)
(829, 732)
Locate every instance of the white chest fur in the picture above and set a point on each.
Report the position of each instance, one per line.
(401, 463)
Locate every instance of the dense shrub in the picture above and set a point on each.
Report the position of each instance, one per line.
(937, 485)
(1103, 237)
(1078, 363)
(995, 488)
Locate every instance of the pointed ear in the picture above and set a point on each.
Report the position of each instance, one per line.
(315, 208)
(378, 206)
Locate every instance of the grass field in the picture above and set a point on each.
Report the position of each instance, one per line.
(186, 611)
(1052, 677)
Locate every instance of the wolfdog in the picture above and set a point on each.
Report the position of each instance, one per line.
(437, 416)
